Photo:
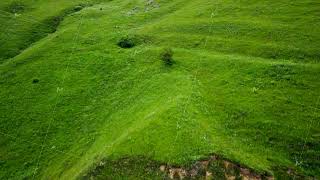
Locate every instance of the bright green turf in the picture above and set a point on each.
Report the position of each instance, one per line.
(245, 84)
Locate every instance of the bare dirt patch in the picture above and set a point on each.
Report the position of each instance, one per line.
(214, 167)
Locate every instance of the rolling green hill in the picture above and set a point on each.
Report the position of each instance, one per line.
(244, 85)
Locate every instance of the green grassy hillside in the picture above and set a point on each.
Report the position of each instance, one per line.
(244, 84)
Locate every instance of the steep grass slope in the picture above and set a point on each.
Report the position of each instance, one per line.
(244, 84)
(24, 22)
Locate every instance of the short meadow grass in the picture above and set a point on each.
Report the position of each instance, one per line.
(84, 81)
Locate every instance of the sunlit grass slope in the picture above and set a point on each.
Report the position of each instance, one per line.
(244, 84)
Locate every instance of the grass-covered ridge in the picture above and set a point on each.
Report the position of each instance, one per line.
(244, 84)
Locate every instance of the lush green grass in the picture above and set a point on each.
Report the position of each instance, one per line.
(245, 84)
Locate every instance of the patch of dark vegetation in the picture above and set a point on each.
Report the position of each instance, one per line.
(289, 173)
(125, 168)
(126, 42)
(213, 167)
(306, 155)
(16, 7)
(285, 73)
(35, 81)
(280, 72)
(166, 56)
(130, 41)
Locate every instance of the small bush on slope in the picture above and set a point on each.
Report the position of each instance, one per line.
(166, 56)
(126, 42)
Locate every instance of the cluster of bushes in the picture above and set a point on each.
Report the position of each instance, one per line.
(126, 42)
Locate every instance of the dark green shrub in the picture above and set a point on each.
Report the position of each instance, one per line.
(126, 42)
(166, 56)
(218, 168)
(34, 81)
(132, 40)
